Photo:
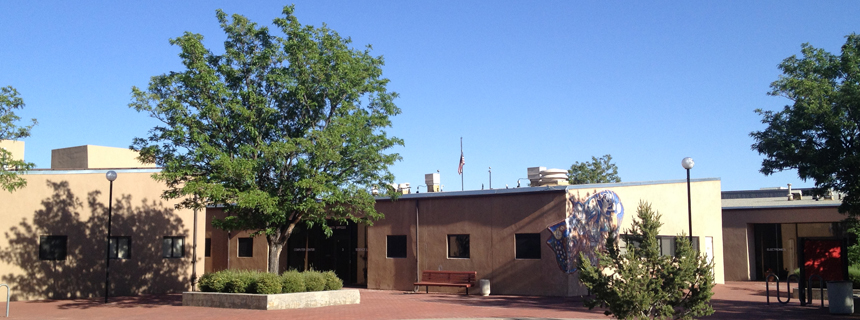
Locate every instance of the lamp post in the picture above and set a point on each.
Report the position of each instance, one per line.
(111, 176)
(688, 164)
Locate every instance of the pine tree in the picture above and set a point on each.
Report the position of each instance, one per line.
(642, 284)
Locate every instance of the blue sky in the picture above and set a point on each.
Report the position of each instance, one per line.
(530, 83)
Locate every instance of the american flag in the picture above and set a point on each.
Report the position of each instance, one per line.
(462, 163)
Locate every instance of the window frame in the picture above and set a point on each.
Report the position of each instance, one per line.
(670, 240)
(239, 247)
(173, 247)
(460, 246)
(207, 248)
(113, 247)
(404, 245)
(518, 242)
(48, 251)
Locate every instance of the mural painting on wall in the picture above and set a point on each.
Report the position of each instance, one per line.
(589, 222)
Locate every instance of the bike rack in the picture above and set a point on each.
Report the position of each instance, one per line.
(809, 289)
(787, 287)
(8, 295)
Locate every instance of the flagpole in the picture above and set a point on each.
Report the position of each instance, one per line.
(461, 155)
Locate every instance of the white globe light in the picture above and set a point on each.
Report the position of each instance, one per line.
(111, 175)
(687, 163)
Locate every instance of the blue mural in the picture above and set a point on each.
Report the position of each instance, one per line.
(585, 229)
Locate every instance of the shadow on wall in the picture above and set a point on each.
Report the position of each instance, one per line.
(82, 273)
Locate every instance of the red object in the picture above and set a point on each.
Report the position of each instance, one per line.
(462, 163)
(823, 257)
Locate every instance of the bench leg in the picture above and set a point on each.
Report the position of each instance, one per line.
(426, 289)
(467, 291)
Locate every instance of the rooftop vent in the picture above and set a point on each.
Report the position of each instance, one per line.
(432, 182)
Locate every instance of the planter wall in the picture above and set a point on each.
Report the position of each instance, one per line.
(271, 301)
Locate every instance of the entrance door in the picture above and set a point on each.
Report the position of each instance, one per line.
(769, 250)
(310, 249)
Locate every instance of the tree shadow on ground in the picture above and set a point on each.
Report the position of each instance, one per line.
(82, 273)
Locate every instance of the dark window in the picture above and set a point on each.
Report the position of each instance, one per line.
(458, 246)
(173, 247)
(528, 245)
(207, 251)
(120, 247)
(246, 247)
(396, 247)
(53, 247)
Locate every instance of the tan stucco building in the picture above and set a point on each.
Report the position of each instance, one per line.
(55, 230)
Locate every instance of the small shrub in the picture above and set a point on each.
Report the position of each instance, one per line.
(240, 282)
(267, 283)
(293, 281)
(854, 275)
(332, 282)
(314, 280)
(212, 282)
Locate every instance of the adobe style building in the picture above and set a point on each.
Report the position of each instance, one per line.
(54, 230)
(525, 241)
(516, 237)
(762, 229)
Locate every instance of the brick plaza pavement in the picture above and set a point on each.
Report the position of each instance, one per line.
(735, 300)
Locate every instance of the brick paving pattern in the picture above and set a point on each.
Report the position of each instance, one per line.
(735, 300)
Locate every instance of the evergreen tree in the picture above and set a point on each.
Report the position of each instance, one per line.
(642, 284)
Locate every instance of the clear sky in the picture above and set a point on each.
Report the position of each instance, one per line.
(525, 83)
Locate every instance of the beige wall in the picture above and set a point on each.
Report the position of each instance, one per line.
(738, 233)
(15, 147)
(493, 220)
(94, 157)
(670, 200)
(75, 204)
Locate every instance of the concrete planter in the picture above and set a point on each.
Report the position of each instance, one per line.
(271, 301)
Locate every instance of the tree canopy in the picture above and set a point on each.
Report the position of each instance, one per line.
(599, 170)
(10, 129)
(818, 134)
(279, 129)
(642, 284)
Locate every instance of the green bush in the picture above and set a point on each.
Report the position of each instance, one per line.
(854, 274)
(293, 281)
(267, 283)
(212, 282)
(314, 280)
(240, 281)
(243, 281)
(332, 282)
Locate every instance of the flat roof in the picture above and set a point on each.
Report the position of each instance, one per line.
(776, 202)
(467, 193)
(89, 171)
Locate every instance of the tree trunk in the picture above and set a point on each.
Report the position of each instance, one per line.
(276, 242)
(274, 254)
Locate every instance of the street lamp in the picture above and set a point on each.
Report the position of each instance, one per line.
(111, 176)
(688, 164)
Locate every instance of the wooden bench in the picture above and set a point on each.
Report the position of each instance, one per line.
(464, 279)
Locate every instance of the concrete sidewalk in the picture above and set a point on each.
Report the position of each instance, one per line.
(736, 300)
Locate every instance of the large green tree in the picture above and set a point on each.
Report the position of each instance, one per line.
(818, 134)
(599, 170)
(11, 168)
(279, 129)
(641, 284)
